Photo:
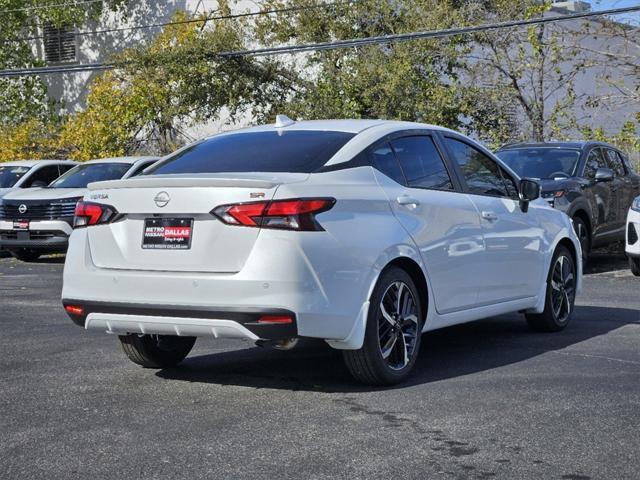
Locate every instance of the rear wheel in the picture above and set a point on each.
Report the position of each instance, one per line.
(393, 331)
(561, 294)
(26, 254)
(156, 351)
(584, 236)
(634, 263)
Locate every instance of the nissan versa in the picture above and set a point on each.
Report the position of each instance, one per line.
(363, 233)
(38, 221)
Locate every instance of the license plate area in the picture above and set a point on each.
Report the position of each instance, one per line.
(21, 225)
(167, 233)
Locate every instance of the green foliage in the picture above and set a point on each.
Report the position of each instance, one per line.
(415, 81)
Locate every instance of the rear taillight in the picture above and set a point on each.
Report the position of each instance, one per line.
(88, 213)
(292, 214)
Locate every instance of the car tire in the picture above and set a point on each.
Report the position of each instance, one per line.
(26, 254)
(584, 236)
(156, 351)
(393, 332)
(560, 294)
(634, 264)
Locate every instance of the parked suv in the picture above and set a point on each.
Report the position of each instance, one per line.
(364, 233)
(592, 182)
(632, 247)
(39, 221)
(31, 173)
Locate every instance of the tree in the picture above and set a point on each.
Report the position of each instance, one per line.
(162, 87)
(406, 81)
(532, 70)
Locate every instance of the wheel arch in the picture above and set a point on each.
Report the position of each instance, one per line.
(584, 216)
(417, 275)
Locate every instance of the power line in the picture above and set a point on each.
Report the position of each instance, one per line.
(356, 42)
(191, 20)
(46, 7)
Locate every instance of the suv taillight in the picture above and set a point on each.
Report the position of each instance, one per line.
(291, 214)
(88, 213)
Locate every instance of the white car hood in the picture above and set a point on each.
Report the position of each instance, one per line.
(45, 194)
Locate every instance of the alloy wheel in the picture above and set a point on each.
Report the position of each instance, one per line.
(563, 288)
(398, 325)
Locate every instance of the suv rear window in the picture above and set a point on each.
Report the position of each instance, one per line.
(293, 151)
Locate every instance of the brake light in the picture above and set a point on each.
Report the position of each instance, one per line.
(291, 214)
(88, 213)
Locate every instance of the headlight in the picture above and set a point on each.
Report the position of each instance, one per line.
(636, 204)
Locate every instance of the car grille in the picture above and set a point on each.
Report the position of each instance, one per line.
(632, 236)
(38, 211)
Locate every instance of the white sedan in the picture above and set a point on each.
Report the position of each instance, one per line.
(364, 233)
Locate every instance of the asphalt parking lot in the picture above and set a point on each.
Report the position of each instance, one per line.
(488, 400)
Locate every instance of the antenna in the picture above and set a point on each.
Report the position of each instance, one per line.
(283, 121)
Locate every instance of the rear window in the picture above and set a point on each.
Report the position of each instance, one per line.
(82, 175)
(293, 151)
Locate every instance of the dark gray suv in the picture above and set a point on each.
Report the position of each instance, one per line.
(592, 182)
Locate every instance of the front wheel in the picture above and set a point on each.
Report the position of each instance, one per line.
(634, 264)
(584, 236)
(156, 351)
(393, 331)
(560, 296)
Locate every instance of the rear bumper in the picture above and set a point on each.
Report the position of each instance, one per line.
(122, 318)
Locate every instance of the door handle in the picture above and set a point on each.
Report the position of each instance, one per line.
(407, 200)
(492, 217)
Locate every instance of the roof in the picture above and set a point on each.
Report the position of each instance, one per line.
(31, 163)
(349, 125)
(577, 145)
(129, 160)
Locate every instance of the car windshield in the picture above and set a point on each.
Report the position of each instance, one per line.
(9, 175)
(292, 151)
(82, 175)
(541, 162)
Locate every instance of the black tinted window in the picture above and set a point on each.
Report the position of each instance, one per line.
(287, 151)
(615, 162)
(542, 162)
(595, 160)
(421, 163)
(83, 175)
(43, 176)
(481, 173)
(384, 160)
(9, 176)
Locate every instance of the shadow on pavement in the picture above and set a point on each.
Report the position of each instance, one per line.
(446, 353)
(601, 262)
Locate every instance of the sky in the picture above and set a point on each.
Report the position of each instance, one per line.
(607, 4)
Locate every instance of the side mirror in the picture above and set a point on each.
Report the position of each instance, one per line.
(604, 175)
(529, 191)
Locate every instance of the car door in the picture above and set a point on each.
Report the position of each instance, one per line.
(514, 241)
(622, 190)
(441, 220)
(600, 195)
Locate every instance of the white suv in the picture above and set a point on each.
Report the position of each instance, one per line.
(633, 237)
(38, 221)
(31, 173)
(363, 233)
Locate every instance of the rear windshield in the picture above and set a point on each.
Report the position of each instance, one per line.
(83, 175)
(9, 176)
(293, 151)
